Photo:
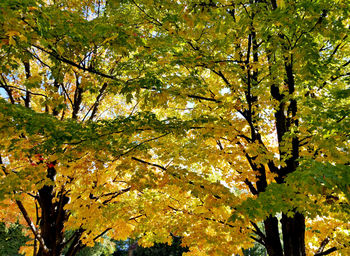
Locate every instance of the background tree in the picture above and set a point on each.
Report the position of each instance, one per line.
(11, 239)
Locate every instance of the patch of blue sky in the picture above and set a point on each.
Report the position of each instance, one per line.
(3, 93)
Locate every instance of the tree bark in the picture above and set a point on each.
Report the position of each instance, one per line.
(53, 217)
(293, 229)
(272, 237)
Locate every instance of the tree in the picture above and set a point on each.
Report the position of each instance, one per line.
(66, 157)
(268, 74)
(199, 118)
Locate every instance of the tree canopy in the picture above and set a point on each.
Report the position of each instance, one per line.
(222, 122)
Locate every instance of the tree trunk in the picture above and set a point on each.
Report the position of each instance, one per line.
(53, 216)
(293, 233)
(293, 229)
(272, 239)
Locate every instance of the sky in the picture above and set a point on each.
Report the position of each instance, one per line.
(3, 93)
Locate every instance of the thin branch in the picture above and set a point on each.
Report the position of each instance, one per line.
(203, 98)
(65, 91)
(114, 195)
(38, 59)
(32, 226)
(111, 133)
(258, 231)
(136, 217)
(104, 232)
(218, 142)
(143, 142)
(7, 89)
(252, 189)
(155, 21)
(260, 241)
(223, 77)
(24, 90)
(341, 119)
(26, 216)
(148, 163)
(72, 63)
(97, 102)
(206, 218)
(71, 238)
(133, 109)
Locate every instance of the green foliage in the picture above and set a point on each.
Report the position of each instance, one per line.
(196, 118)
(11, 239)
(313, 183)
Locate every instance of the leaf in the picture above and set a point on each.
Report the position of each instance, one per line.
(11, 34)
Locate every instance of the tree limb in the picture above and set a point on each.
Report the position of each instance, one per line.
(148, 163)
(32, 226)
(323, 245)
(329, 251)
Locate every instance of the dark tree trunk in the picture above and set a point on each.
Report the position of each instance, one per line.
(293, 229)
(53, 216)
(272, 240)
(293, 233)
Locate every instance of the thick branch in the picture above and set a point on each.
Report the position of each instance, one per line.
(97, 102)
(323, 244)
(28, 75)
(329, 251)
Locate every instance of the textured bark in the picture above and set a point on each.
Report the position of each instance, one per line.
(293, 235)
(53, 217)
(272, 237)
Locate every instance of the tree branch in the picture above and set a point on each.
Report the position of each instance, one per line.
(260, 241)
(26, 216)
(143, 142)
(203, 98)
(323, 245)
(258, 231)
(97, 102)
(32, 226)
(329, 251)
(148, 163)
(104, 232)
(24, 90)
(72, 63)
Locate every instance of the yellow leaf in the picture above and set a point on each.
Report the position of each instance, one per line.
(11, 34)
(110, 38)
(32, 8)
(281, 3)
